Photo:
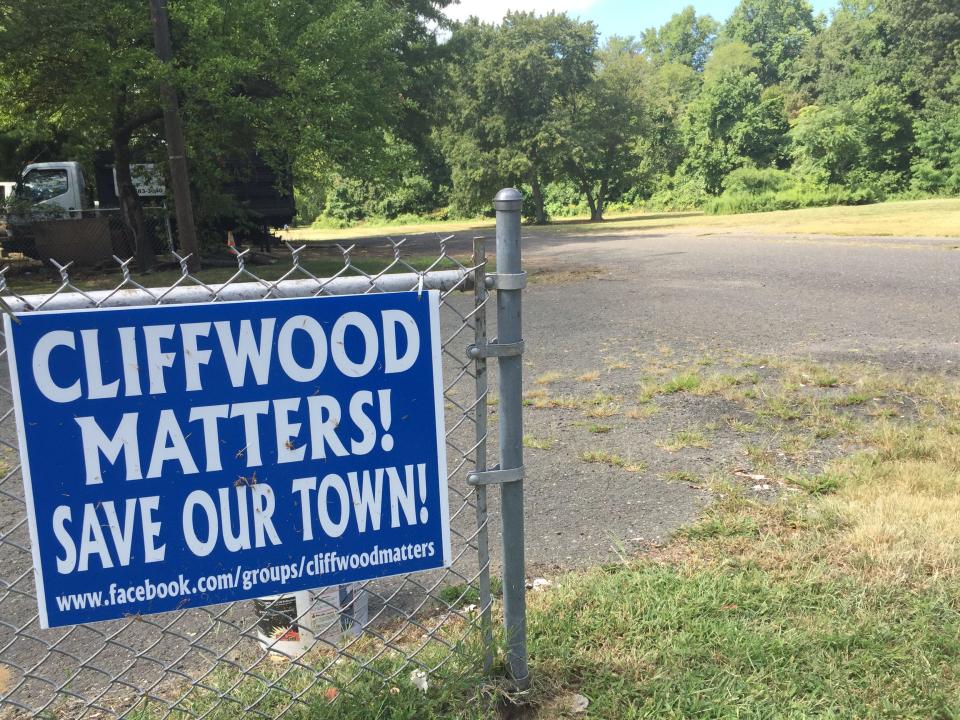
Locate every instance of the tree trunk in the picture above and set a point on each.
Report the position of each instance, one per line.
(131, 209)
(596, 211)
(594, 202)
(540, 217)
(176, 145)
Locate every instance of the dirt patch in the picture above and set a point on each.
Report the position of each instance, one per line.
(557, 276)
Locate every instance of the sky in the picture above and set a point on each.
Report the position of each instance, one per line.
(613, 17)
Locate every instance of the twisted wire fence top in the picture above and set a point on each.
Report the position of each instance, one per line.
(210, 661)
(448, 271)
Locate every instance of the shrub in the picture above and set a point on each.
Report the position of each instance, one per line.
(936, 165)
(564, 199)
(679, 192)
(799, 196)
(753, 181)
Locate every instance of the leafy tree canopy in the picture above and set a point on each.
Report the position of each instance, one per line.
(686, 39)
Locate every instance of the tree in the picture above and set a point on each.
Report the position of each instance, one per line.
(849, 57)
(928, 47)
(509, 86)
(305, 85)
(685, 39)
(775, 30)
(731, 57)
(936, 165)
(308, 87)
(886, 122)
(603, 127)
(87, 69)
(733, 122)
(827, 143)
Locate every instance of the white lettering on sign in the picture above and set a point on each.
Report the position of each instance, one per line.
(242, 347)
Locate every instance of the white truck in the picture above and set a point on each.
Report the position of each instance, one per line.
(52, 214)
(54, 185)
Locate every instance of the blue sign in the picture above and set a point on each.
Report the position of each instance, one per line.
(188, 455)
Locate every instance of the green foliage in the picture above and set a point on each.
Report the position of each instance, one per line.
(733, 122)
(851, 56)
(377, 120)
(730, 57)
(750, 190)
(826, 142)
(790, 198)
(510, 87)
(564, 199)
(603, 125)
(776, 31)
(679, 192)
(886, 126)
(396, 187)
(755, 181)
(936, 165)
(686, 39)
(312, 87)
(928, 44)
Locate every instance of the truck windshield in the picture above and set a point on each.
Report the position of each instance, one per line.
(42, 185)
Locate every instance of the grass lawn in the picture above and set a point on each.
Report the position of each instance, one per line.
(837, 597)
(915, 218)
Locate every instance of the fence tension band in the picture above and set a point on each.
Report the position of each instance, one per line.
(506, 281)
(495, 349)
(496, 476)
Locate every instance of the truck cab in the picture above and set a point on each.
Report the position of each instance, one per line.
(54, 185)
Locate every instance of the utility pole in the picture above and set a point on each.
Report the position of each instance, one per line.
(176, 146)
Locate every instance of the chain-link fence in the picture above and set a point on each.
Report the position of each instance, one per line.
(84, 237)
(219, 661)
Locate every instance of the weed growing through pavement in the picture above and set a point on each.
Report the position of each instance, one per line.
(537, 443)
(689, 437)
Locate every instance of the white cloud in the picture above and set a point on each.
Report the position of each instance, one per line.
(494, 10)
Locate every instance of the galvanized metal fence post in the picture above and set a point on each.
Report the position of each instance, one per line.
(509, 283)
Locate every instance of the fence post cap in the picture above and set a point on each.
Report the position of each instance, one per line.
(508, 199)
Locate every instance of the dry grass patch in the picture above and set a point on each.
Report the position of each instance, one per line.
(679, 382)
(602, 457)
(562, 276)
(720, 383)
(588, 376)
(548, 378)
(602, 405)
(899, 504)
(543, 400)
(903, 520)
(741, 427)
(616, 364)
(682, 382)
(643, 411)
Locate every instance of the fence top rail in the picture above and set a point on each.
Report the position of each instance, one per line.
(443, 280)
